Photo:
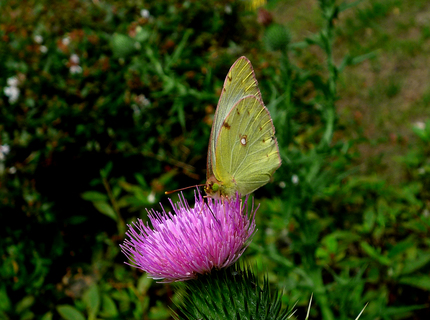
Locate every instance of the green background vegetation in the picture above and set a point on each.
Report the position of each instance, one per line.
(94, 142)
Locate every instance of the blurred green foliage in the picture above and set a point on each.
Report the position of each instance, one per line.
(106, 105)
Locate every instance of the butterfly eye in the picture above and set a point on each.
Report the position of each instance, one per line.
(215, 187)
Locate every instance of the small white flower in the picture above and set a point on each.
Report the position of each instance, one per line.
(12, 170)
(421, 170)
(75, 69)
(143, 101)
(12, 93)
(282, 184)
(294, 179)
(5, 149)
(65, 41)
(145, 13)
(38, 39)
(136, 109)
(12, 81)
(420, 125)
(426, 213)
(74, 58)
(43, 49)
(228, 9)
(151, 197)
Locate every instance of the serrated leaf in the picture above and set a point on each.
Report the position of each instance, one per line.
(70, 313)
(106, 209)
(94, 196)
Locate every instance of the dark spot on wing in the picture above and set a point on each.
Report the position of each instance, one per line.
(243, 139)
(226, 125)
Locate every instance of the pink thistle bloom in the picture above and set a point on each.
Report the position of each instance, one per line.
(190, 241)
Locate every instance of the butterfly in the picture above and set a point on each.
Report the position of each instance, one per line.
(243, 151)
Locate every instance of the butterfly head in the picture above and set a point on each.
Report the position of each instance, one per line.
(219, 189)
(213, 188)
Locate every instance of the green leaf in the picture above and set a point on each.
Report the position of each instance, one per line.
(350, 61)
(375, 254)
(70, 313)
(369, 220)
(141, 180)
(106, 170)
(122, 45)
(109, 308)
(5, 303)
(421, 133)
(402, 310)
(91, 299)
(106, 209)
(400, 248)
(24, 304)
(179, 48)
(47, 316)
(94, 196)
(414, 265)
(143, 284)
(422, 282)
(116, 190)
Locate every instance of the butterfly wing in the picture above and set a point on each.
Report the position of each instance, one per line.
(239, 83)
(247, 151)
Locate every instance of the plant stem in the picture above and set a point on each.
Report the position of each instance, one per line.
(120, 222)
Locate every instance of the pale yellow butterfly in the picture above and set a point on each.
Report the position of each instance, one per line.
(243, 152)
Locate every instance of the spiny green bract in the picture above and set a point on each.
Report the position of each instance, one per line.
(232, 293)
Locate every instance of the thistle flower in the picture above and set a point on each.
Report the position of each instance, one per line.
(190, 241)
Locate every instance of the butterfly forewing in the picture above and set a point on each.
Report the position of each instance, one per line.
(247, 151)
(239, 83)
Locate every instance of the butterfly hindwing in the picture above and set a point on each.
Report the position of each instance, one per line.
(246, 151)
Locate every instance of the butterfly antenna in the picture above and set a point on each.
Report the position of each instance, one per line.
(173, 191)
